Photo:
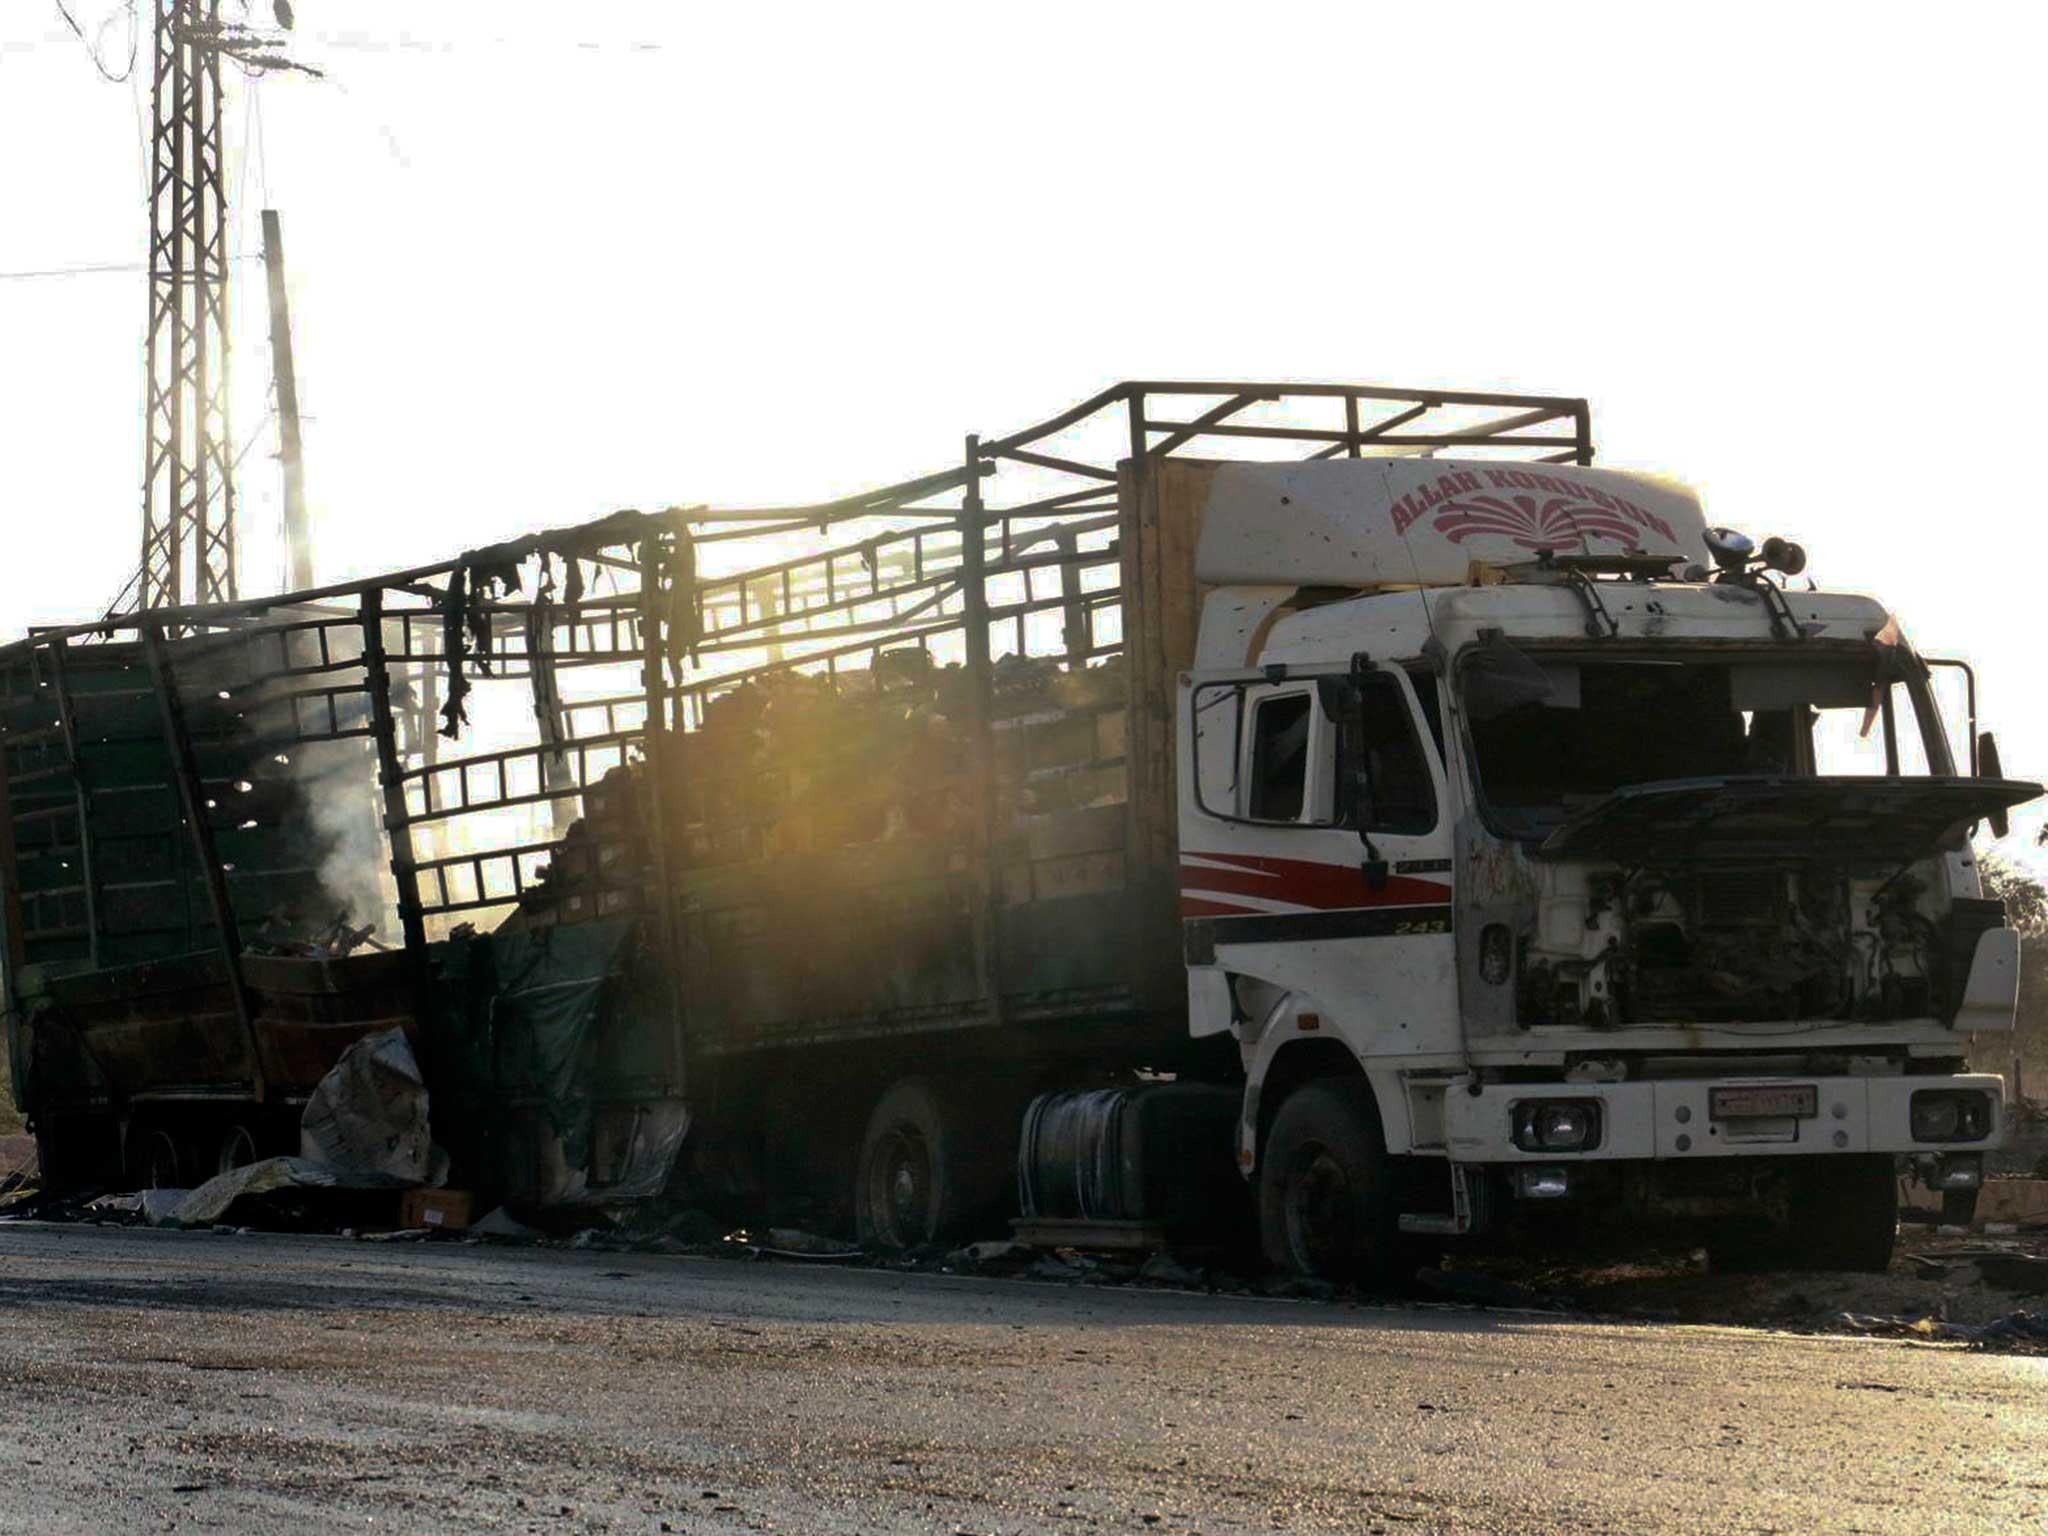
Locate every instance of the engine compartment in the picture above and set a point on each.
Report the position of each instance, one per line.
(1755, 942)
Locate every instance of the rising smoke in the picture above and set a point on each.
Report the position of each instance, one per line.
(337, 782)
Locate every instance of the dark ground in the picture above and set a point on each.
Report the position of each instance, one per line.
(159, 1379)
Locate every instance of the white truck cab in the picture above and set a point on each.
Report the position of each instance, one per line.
(1538, 842)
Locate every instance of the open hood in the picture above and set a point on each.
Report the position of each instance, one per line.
(1851, 820)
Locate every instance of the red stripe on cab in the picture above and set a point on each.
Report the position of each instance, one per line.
(1307, 883)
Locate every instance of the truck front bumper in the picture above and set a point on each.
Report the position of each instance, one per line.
(1695, 1118)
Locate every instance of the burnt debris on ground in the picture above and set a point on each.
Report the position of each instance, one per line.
(1946, 1286)
(371, 1169)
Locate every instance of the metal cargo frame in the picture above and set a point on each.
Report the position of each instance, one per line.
(631, 621)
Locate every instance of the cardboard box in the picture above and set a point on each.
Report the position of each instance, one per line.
(448, 1209)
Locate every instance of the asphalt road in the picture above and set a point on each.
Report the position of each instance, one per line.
(153, 1380)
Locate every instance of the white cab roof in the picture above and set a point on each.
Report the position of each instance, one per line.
(1377, 523)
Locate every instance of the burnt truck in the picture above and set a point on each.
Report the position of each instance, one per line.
(1335, 813)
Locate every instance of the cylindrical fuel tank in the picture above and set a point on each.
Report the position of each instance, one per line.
(1149, 1151)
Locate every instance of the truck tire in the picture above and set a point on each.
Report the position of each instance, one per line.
(238, 1147)
(928, 1165)
(1840, 1213)
(155, 1159)
(1845, 1214)
(1326, 1210)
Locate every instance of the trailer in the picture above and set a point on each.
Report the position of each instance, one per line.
(1216, 805)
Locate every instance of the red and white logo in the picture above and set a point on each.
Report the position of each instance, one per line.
(1534, 510)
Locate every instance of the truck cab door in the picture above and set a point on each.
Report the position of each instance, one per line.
(1316, 852)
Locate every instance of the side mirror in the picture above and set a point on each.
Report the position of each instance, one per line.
(1989, 767)
(1339, 697)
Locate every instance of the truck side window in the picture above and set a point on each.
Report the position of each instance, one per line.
(1400, 796)
(1424, 683)
(1279, 774)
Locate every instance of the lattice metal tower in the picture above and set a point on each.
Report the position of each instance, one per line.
(188, 517)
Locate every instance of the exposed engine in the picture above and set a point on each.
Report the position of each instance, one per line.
(1744, 944)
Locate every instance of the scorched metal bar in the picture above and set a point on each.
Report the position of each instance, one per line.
(12, 945)
(67, 718)
(662, 749)
(391, 779)
(192, 797)
(981, 697)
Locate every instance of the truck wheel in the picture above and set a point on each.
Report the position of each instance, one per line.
(154, 1161)
(1324, 1205)
(907, 1189)
(237, 1149)
(1845, 1214)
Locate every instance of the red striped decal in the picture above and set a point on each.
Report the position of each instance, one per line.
(1195, 906)
(1305, 883)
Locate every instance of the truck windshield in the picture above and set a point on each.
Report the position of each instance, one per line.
(1552, 734)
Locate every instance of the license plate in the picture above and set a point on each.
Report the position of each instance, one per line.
(1768, 1101)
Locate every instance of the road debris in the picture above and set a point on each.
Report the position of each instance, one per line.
(2022, 1272)
(369, 1114)
(442, 1210)
(793, 1243)
(2013, 1328)
(997, 1257)
(501, 1226)
(294, 1191)
(1164, 1269)
(1472, 1288)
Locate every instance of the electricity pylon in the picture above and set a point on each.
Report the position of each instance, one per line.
(188, 487)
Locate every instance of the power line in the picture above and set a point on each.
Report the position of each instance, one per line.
(92, 44)
(95, 269)
(116, 266)
(254, 437)
(405, 43)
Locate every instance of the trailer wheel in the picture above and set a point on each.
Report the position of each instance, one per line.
(923, 1169)
(1325, 1210)
(154, 1159)
(237, 1148)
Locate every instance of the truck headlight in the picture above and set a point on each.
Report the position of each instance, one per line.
(1951, 1114)
(1557, 1125)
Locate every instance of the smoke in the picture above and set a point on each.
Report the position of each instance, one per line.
(321, 799)
(282, 806)
(343, 806)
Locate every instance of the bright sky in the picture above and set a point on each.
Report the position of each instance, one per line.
(550, 260)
